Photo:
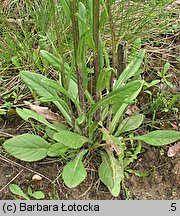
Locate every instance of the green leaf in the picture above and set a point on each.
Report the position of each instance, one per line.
(138, 173)
(38, 195)
(105, 171)
(104, 79)
(26, 114)
(57, 86)
(15, 189)
(133, 157)
(130, 123)
(118, 174)
(130, 70)
(57, 149)
(159, 137)
(119, 95)
(27, 147)
(120, 111)
(30, 191)
(56, 128)
(66, 8)
(34, 80)
(166, 68)
(74, 172)
(55, 62)
(70, 139)
(111, 172)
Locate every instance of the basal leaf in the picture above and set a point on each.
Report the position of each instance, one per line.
(159, 137)
(70, 139)
(56, 149)
(111, 172)
(118, 175)
(105, 171)
(26, 114)
(54, 61)
(27, 147)
(74, 172)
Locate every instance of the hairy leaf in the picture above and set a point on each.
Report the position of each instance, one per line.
(26, 114)
(111, 172)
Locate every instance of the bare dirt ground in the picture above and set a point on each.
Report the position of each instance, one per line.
(162, 183)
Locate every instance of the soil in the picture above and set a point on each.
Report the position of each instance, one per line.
(161, 184)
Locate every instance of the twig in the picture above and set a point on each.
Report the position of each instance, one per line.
(96, 10)
(19, 165)
(11, 180)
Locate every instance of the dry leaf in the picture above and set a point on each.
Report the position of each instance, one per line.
(36, 177)
(173, 150)
(175, 127)
(132, 109)
(45, 112)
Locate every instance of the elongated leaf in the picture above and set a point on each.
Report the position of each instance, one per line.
(27, 147)
(82, 19)
(159, 137)
(34, 80)
(15, 189)
(111, 172)
(121, 95)
(116, 118)
(118, 174)
(56, 149)
(130, 123)
(120, 111)
(130, 70)
(104, 79)
(66, 8)
(54, 85)
(74, 172)
(105, 171)
(26, 114)
(55, 62)
(70, 139)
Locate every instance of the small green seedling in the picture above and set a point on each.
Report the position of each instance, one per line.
(15, 189)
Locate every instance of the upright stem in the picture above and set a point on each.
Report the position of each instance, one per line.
(96, 11)
(74, 9)
(79, 75)
(122, 58)
(113, 43)
(60, 52)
